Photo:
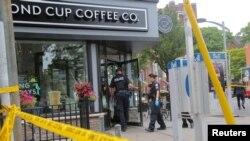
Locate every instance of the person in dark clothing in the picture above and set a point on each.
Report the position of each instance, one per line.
(239, 92)
(155, 105)
(119, 87)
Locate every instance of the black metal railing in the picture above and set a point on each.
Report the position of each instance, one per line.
(73, 114)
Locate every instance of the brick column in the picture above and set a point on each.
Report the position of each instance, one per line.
(248, 57)
(248, 54)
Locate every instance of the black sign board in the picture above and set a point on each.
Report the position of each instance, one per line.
(76, 15)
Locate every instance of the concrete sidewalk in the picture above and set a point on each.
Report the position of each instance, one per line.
(139, 134)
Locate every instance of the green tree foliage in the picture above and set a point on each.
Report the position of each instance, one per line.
(237, 61)
(171, 45)
(144, 58)
(213, 38)
(245, 34)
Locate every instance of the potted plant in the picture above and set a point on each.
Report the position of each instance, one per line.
(84, 91)
(26, 99)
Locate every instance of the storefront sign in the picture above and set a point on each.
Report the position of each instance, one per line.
(32, 88)
(31, 85)
(165, 23)
(75, 15)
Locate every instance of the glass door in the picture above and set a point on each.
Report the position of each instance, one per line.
(131, 69)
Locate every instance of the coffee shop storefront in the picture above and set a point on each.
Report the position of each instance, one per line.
(59, 43)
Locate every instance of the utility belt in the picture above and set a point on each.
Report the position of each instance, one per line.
(122, 91)
(151, 96)
(126, 92)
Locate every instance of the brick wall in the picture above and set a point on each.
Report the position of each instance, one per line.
(94, 123)
(248, 54)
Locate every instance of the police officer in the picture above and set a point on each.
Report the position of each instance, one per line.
(155, 105)
(120, 85)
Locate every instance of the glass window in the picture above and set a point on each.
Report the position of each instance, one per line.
(45, 67)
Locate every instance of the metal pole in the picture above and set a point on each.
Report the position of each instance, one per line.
(224, 37)
(228, 78)
(200, 123)
(8, 64)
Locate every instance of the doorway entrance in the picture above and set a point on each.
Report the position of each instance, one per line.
(131, 69)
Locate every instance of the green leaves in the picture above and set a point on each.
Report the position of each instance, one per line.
(237, 61)
(213, 38)
(245, 34)
(171, 45)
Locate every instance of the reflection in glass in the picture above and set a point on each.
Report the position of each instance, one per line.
(52, 66)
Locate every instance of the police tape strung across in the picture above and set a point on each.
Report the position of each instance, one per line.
(65, 130)
(9, 89)
(5, 133)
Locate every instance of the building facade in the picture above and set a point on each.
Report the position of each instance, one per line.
(62, 42)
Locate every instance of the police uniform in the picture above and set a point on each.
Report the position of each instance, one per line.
(120, 82)
(155, 110)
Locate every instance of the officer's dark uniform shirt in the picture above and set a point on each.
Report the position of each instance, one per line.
(120, 82)
(155, 86)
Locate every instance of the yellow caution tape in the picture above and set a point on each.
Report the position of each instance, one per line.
(239, 86)
(6, 131)
(62, 129)
(3, 110)
(9, 89)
